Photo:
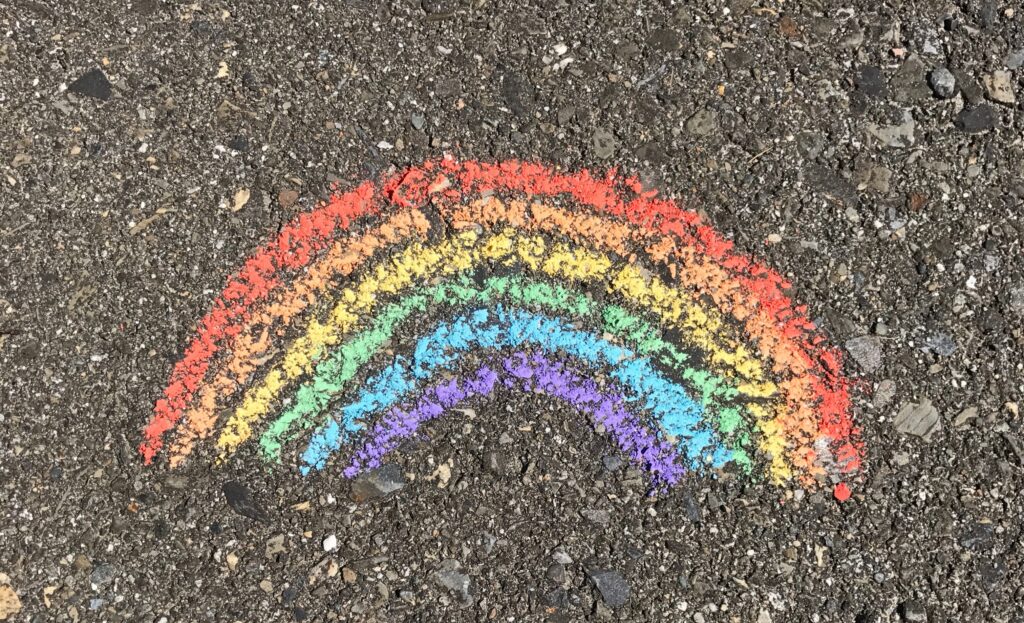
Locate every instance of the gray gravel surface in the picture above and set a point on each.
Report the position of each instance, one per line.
(870, 150)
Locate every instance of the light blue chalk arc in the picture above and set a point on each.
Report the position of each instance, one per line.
(668, 402)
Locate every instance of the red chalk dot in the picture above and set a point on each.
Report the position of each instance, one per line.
(842, 492)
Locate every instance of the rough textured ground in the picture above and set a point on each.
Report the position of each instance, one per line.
(809, 132)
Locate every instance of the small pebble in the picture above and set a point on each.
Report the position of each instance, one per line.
(943, 82)
(702, 123)
(561, 557)
(378, 483)
(999, 87)
(330, 543)
(941, 344)
(275, 545)
(604, 143)
(103, 575)
(614, 588)
(10, 603)
(1015, 59)
(884, 393)
(288, 197)
(965, 417)
(450, 577)
(611, 462)
(899, 135)
(866, 350)
(920, 419)
(556, 573)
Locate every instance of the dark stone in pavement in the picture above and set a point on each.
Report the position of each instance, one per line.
(737, 59)
(665, 39)
(239, 144)
(978, 537)
(241, 501)
(969, 87)
(93, 83)
(991, 573)
(910, 83)
(981, 118)
(691, 509)
(831, 184)
(870, 81)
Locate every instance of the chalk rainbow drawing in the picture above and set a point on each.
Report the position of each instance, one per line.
(588, 289)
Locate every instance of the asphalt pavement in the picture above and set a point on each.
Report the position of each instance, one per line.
(870, 152)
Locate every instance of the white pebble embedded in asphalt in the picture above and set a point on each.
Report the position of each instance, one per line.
(330, 543)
